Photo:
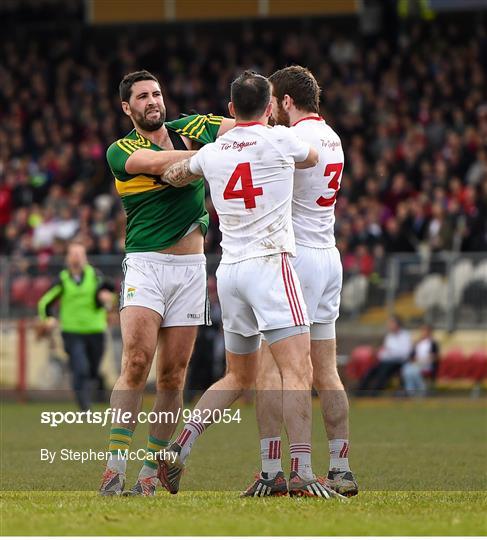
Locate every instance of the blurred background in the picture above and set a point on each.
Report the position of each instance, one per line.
(405, 86)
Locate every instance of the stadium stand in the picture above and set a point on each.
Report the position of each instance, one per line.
(410, 106)
(414, 126)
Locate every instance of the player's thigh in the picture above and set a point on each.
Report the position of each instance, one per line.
(140, 328)
(185, 290)
(237, 315)
(307, 265)
(175, 347)
(142, 284)
(292, 356)
(271, 287)
(268, 374)
(329, 304)
(242, 367)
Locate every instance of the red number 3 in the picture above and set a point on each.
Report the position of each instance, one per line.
(336, 170)
(248, 193)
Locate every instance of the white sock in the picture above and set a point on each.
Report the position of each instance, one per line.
(301, 460)
(117, 463)
(192, 430)
(339, 454)
(270, 455)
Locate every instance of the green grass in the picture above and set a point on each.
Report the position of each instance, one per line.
(422, 469)
(212, 513)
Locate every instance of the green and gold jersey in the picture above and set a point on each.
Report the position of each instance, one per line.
(158, 215)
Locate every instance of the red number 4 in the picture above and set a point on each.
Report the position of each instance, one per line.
(336, 170)
(248, 193)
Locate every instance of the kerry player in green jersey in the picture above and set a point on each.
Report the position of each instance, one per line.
(163, 298)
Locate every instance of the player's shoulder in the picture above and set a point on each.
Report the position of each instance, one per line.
(189, 124)
(126, 146)
(280, 133)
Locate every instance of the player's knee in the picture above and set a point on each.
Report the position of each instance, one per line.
(136, 367)
(327, 379)
(171, 377)
(240, 380)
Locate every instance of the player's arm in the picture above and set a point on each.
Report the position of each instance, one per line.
(305, 156)
(187, 171)
(180, 174)
(145, 161)
(311, 159)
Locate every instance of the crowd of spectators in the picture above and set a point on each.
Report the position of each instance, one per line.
(412, 114)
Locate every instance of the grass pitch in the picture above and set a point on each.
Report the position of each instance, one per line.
(422, 469)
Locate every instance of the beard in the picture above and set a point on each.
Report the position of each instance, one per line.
(282, 118)
(150, 124)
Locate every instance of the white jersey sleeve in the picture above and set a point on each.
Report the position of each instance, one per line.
(296, 147)
(196, 162)
(316, 189)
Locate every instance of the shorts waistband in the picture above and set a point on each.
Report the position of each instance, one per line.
(168, 258)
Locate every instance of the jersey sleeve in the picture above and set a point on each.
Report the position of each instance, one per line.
(117, 155)
(298, 148)
(198, 127)
(196, 163)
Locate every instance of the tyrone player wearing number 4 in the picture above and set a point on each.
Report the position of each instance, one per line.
(295, 103)
(250, 172)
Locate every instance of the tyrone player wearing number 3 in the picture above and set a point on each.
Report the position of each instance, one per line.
(250, 172)
(296, 103)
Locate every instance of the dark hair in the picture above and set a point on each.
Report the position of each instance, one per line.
(125, 86)
(250, 94)
(299, 84)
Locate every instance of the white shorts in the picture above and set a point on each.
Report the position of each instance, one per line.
(259, 294)
(320, 274)
(172, 285)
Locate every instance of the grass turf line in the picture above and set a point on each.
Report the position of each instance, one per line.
(210, 513)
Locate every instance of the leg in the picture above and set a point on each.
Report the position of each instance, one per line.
(95, 346)
(335, 410)
(240, 376)
(268, 395)
(175, 346)
(326, 381)
(140, 327)
(78, 362)
(292, 356)
(368, 380)
(388, 370)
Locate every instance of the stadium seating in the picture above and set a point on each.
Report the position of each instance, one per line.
(454, 364)
(360, 361)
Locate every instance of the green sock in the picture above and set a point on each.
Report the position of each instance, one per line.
(120, 439)
(150, 463)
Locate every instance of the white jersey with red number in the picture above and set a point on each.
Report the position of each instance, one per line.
(250, 171)
(315, 189)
